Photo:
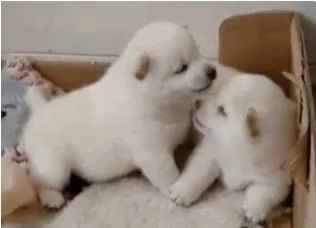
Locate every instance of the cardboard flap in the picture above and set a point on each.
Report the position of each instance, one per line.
(296, 162)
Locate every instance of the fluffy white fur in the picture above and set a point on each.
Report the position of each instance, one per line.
(248, 129)
(132, 118)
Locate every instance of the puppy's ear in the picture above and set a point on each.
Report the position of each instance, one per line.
(142, 68)
(252, 122)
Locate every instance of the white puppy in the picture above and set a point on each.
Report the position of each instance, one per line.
(248, 130)
(131, 118)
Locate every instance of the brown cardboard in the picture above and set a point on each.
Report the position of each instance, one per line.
(71, 75)
(17, 190)
(252, 43)
(300, 69)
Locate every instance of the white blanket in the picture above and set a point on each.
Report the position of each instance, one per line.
(134, 203)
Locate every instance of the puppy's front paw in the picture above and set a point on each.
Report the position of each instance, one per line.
(51, 199)
(255, 211)
(180, 195)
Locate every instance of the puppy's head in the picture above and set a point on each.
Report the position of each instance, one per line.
(249, 107)
(165, 61)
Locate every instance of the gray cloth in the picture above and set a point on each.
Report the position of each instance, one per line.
(14, 111)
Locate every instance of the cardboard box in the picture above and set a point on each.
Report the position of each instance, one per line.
(267, 43)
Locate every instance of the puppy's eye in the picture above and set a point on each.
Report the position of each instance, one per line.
(181, 69)
(221, 110)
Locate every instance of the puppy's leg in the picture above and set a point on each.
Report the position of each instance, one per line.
(50, 173)
(261, 198)
(158, 166)
(198, 175)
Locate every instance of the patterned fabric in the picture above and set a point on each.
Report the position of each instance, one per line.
(17, 75)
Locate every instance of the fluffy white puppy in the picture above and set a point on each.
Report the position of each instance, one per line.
(132, 118)
(248, 130)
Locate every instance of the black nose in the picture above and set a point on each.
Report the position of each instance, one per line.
(198, 104)
(3, 114)
(210, 72)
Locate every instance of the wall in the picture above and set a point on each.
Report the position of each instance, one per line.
(104, 28)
